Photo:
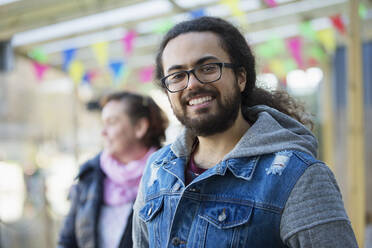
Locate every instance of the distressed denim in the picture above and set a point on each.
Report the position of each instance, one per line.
(237, 203)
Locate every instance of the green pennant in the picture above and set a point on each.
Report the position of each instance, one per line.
(307, 31)
(276, 45)
(362, 11)
(265, 51)
(289, 65)
(163, 26)
(39, 55)
(317, 53)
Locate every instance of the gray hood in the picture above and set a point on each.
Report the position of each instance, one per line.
(273, 131)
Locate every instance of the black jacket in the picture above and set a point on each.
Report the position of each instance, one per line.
(80, 226)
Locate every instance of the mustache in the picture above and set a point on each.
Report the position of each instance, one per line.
(185, 98)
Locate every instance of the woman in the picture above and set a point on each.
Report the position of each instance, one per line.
(101, 201)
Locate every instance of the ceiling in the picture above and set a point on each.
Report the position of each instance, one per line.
(58, 25)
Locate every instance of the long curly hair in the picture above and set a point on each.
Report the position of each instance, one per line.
(234, 43)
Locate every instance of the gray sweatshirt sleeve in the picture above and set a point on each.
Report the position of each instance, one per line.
(139, 228)
(314, 215)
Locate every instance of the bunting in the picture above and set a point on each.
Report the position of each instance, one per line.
(197, 13)
(146, 74)
(271, 3)
(338, 23)
(68, 56)
(100, 50)
(117, 71)
(327, 39)
(295, 48)
(76, 71)
(307, 31)
(234, 6)
(363, 11)
(128, 41)
(38, 55)
(39, 69)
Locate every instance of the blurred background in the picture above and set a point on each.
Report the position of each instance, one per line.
(57, 58)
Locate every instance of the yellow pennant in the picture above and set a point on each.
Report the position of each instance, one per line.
(100, 50)
(327, 38)
(76, 71)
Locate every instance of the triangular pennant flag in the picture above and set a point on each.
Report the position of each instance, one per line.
(100, 51)
(117, 69)
(234, 6)
(265, 51)
(307, 30)
(277, 67)
(76, 71)
(128, 41)
(327, 38)
(363, 11)
(317, 53)
(40, 69)
(271, 3)
(197, 13)
(338, 23)
(163, 26)
(39, 55)
(68, 56)
(89, 76)
(289, 65)
(295, 48)
(277, 45)
(146, 74)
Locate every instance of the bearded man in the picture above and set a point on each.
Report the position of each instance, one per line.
(244, 172)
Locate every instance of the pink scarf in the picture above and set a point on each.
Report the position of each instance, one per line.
(121, 182)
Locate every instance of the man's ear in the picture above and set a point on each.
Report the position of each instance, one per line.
(142, 126)
(241, 77)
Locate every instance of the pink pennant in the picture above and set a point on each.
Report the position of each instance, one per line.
(295, 47)
(128, 41)
(146, 74)
(40, 70)
(338, 23)
(271, 3)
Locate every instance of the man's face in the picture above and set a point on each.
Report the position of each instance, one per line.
(118, 131)
(206, 109)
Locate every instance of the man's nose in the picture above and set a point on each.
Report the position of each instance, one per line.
(193, 82)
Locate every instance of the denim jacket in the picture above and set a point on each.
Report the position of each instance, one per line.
(241, 200)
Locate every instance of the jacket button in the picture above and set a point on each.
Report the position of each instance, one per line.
(150, 211)
(176, 241)
(176, 187)
(222, 216)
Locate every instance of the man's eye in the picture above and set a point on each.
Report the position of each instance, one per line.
(208, 68)
(177, 77)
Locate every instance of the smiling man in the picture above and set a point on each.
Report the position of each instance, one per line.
(244, 172)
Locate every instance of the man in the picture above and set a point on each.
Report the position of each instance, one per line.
(243, 173)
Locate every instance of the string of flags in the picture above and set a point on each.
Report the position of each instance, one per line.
(323, 43)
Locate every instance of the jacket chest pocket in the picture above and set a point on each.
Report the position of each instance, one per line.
(151, 215)
(226, 224)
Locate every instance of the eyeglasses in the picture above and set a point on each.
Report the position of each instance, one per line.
(205, 74)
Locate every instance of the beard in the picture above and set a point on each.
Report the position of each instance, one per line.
(211, 123)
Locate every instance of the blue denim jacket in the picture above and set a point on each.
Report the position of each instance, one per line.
(268, 191)
(237, 203)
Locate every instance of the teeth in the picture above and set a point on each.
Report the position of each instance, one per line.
(200, 100)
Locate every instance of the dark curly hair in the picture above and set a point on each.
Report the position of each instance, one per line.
(234, 43)
(137, 107)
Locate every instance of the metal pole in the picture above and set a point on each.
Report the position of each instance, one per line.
(355, 127)
(328, 123)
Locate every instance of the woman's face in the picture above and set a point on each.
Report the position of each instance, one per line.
(118, 131)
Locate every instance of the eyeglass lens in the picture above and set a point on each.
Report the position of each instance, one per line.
(204, 73)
